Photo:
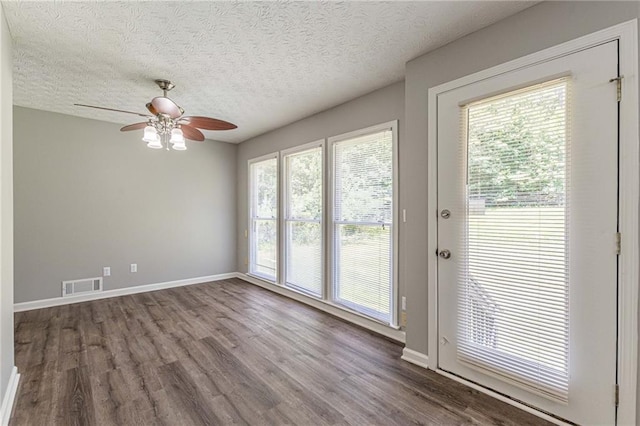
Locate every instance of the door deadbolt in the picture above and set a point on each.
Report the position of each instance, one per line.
(445, 254)
(446, 214)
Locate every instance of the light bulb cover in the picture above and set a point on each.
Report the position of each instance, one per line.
(177, 137)
(150, 135)
(179, 146)
(155, 144)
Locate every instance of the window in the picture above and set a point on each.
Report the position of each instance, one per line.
(303, 220)
(355, 268)
(263, 237)
(363, 191)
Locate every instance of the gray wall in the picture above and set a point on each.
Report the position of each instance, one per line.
(6, 207)
(88, 196)
(383, 105)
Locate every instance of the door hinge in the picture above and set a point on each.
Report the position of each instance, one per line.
(617, 395)
(618, 242)
(618, 81)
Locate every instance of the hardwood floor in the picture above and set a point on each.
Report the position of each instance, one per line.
(225, 353)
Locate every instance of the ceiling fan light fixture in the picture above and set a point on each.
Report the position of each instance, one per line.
(179, 146)
(155, 144)
(177, 137)
(150, 134)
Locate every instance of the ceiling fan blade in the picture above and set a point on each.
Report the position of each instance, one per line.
(115, 110)
(166, 106)
(208, 123)
(135, 126)
(191, 133)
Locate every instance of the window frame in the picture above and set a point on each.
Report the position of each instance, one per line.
(331, 220)
(283, 208)
(252, 218)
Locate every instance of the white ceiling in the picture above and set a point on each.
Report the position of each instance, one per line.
(260, 65)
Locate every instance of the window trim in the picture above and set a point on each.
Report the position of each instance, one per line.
(283, 191)
(331, 228)
(251, 251)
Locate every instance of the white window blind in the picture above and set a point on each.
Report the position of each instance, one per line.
(362, 223)
(263, 238)
(513, 303)
(303, 221)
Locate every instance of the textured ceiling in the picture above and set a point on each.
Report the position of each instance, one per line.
(260, 65)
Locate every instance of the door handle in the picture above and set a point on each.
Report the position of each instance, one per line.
(445, 254)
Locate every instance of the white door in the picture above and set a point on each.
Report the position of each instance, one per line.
(527, 206)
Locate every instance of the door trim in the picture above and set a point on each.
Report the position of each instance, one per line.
(629, 184)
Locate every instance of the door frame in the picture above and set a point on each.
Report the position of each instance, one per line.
(629, 189)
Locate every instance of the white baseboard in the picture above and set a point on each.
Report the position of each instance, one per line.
(57, 301)
(9, 397)
(330, 308)
(415, 357)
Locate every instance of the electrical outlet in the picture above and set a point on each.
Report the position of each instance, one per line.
(106, 271)
(246, 261)
(403, 319)
(404, 303)
(134, 267)
(246, 233)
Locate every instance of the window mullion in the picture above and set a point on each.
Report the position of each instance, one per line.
(283, 212)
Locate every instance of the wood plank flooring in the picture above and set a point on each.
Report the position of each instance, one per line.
(226, 353)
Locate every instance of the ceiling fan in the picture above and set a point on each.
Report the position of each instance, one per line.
(167, 122)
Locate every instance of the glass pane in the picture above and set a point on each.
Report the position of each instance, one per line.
(364, 179)
(265, 259)
(514, 306)
(304, 256)
(265, 184)
(304, 185)
(363, 269)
